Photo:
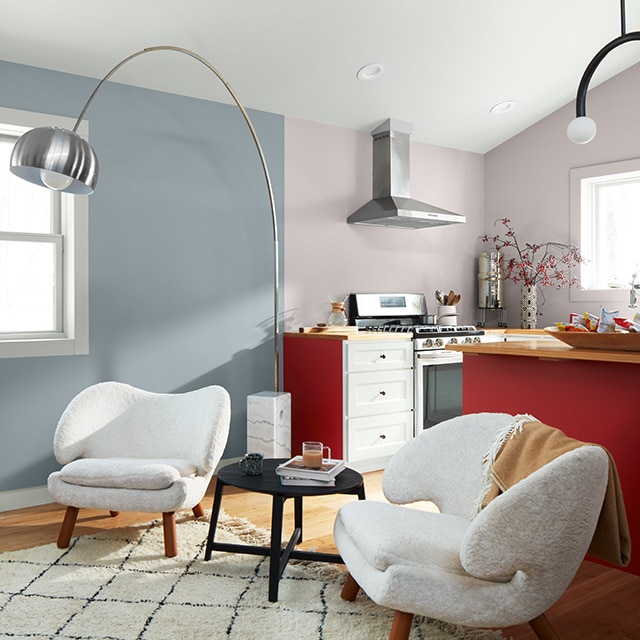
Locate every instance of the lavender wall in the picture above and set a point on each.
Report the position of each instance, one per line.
(328, 176)
(527, 180)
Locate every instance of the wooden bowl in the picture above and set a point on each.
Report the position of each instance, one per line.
(617, 341)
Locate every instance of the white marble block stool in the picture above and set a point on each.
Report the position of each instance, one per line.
(269, 424)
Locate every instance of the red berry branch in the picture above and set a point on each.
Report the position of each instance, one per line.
(547, 264)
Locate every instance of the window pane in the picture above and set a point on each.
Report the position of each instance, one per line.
(27, 286)
(23, 206)
(616, 232)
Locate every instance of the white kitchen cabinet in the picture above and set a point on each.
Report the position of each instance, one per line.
(378, 401)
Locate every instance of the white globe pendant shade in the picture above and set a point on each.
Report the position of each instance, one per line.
(582, 130)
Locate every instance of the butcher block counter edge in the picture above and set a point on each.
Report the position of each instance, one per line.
(547, 350)
(348, 334)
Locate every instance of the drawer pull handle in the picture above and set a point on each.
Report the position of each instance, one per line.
(382, 356)
(382, 436)
(383, 393)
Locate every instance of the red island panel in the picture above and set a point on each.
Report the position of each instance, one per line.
(588, 400)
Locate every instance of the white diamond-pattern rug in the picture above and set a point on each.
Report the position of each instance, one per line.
(118, 585)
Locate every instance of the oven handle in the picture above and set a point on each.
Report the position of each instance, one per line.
(439, 357)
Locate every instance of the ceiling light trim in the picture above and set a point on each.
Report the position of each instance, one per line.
(370, 72)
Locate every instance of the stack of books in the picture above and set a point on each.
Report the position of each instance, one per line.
(293, 472)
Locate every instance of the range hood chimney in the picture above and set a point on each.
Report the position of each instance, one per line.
(392, 205)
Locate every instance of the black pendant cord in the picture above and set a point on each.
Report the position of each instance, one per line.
(581, 98)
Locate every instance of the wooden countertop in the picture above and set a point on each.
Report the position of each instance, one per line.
(346, 333)
(547, 350)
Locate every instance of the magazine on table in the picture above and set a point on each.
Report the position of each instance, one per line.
(291, 481)
(296, 469)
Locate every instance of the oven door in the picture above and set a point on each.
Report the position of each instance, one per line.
(438, 387)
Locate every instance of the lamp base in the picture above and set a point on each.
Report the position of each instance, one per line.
(269, 424)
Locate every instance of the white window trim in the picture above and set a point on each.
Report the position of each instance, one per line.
(75, 221)
(620, 297)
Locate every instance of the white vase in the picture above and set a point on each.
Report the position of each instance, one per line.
(528, 307)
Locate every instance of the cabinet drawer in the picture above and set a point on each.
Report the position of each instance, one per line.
(378, 355)
(378, 392)
(377, 436)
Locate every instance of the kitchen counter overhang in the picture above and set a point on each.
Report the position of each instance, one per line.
(546, 349)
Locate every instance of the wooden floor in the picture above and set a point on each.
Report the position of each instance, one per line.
(602, 603)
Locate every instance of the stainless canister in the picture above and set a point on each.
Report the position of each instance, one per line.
(490, 280)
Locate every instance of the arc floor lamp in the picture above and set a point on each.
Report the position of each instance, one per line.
(61, 160)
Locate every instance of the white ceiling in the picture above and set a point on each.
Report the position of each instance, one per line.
(446, 61)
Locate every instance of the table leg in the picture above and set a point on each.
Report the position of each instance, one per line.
(297, 516)
(215, 512)
(277, 509)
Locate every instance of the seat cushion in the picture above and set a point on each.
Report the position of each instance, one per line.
(126, 473)
(388, 535)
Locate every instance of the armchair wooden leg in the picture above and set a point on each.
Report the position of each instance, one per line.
(401, 625)
(350, 589)
(170, 542)
(198, 510)
(113, 514)
(64, 537)
(543, 629)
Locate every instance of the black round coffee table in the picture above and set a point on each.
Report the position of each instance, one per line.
(348, 481)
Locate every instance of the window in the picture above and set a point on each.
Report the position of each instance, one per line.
(605, 224)
(43, 256)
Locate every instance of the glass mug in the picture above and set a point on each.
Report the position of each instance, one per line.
(312, 454)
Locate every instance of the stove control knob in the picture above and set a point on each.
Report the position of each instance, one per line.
(453, 341)
(427, 343)
(468, 340)
(439, 342)
(476, 340)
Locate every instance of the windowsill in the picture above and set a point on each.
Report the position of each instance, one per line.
(43, 347)
(620, 296)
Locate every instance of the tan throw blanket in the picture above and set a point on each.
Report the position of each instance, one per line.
(532, 445)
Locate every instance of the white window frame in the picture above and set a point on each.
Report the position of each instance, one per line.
(74, 338)
(577, 195)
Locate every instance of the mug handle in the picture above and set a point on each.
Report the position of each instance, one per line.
(328, 450)
(243, 464)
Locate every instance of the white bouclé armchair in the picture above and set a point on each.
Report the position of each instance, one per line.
(502, 566)
(126, 449)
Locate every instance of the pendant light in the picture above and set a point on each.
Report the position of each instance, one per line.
(583, 129)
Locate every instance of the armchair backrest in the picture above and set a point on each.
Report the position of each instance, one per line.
(444, 464)
(113, 419)
(537, 532)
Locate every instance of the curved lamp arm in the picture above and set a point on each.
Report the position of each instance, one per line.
(60, 159)
(583, 129)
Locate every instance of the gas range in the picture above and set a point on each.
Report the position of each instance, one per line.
(406, 313)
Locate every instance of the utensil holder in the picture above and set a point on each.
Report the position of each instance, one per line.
(447, 315)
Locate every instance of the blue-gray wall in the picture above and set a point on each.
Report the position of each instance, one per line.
(180, 258)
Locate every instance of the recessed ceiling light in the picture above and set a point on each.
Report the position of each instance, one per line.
(502, 107)
(370, 72)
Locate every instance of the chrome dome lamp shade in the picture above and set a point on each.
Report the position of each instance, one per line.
(56, 158)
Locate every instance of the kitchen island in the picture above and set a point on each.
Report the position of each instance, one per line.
(591, 395)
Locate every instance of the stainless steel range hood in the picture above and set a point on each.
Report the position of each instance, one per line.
(392, 205)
